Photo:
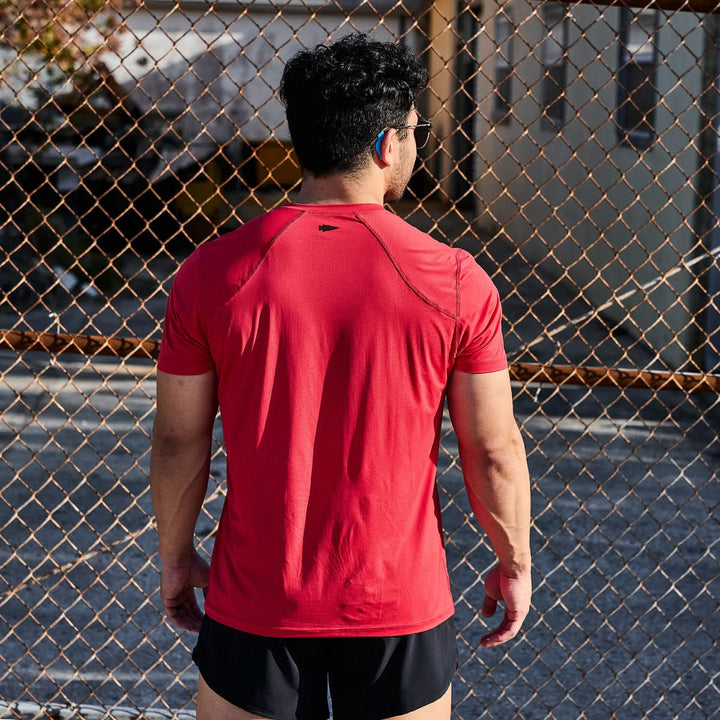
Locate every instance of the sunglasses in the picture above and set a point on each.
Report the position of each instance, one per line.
(422, 134)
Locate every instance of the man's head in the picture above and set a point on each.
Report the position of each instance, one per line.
(339, 97)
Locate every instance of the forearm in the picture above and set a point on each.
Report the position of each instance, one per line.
(179, 473)
(498, 487)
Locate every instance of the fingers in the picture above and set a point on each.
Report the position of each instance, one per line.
(183, 611)
(177, 592)
(489, 606)
(507, 630)
(492, 593)
(186, 616)
(515, 591)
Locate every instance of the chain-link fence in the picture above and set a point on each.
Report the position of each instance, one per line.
(574, 152)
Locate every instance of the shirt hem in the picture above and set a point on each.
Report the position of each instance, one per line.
(172, 369)
(284, 631)
(478, 368)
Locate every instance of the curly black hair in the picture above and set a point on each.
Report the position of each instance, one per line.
(339, 97)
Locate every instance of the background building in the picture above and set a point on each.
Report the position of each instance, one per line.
(591, 131)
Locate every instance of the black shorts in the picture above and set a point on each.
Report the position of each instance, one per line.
(369, 678)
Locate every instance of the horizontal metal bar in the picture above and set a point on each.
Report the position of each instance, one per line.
(57, 343)
(698, 6)
(613, 377)
(70, 711)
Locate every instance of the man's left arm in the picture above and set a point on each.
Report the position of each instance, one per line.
(179, 471)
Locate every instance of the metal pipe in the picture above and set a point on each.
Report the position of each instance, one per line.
(92, 345)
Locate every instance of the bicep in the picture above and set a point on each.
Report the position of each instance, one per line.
(186, 406)
(481, 407)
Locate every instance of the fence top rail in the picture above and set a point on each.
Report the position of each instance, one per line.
(124, 347)
(615, 377)
(56, 343)
(699, 6)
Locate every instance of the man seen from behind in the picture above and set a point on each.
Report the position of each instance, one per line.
(329, 333)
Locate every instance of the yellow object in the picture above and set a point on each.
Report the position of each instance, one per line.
(276, 164)
(203, 194)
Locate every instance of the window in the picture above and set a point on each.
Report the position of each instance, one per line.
(637, 92)
(465, 105)
(503, 67)
(554, 61)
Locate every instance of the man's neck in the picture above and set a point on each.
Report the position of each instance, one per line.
(341, 189)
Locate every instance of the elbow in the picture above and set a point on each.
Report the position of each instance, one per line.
(507, 443)
(167, 438)
(164, 440)
(166, 445)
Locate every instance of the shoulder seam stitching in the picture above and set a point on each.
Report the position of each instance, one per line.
(457, 286)
(238, 288)
(400, 272)
(457, 302)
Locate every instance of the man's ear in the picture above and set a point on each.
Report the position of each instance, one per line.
(384, 148)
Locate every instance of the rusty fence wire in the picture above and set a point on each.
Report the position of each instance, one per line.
(574, 153)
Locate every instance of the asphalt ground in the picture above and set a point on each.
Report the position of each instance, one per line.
(625, 501)
(625, 541)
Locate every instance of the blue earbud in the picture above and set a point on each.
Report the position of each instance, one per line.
(378, 143)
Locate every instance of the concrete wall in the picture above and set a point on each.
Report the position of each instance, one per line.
(607, 217)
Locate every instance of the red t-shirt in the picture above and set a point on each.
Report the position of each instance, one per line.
(333, 330)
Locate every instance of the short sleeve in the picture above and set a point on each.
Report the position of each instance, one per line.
(184, 349)
(480, 346)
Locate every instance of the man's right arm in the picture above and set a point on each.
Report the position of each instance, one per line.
(496, 477)
(179, 470)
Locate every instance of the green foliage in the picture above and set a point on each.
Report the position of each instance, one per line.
(64, 34)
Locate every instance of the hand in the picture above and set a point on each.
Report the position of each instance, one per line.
(178, 581)
(515, 591)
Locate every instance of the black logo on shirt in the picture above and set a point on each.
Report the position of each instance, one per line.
(326, 228)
